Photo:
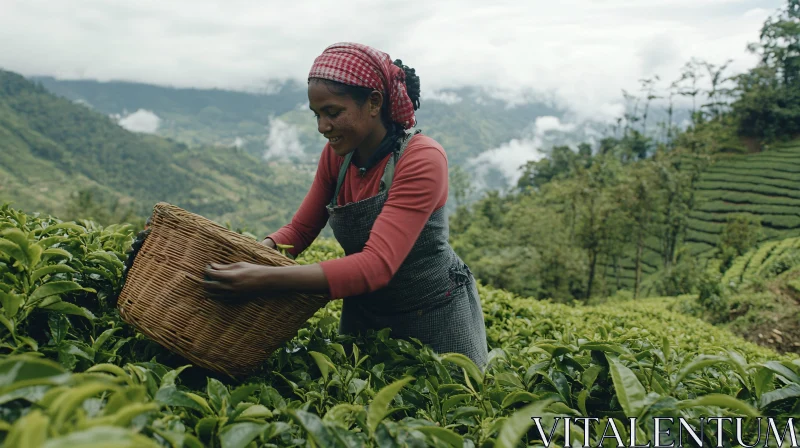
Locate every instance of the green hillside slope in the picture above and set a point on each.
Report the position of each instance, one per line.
(193, 116)
(765, 185)
(476, 123)
(51, 148)
(757, 297)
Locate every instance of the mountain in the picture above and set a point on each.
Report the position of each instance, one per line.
(52, 148)
(466, 121)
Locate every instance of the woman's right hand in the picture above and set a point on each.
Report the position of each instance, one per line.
(269, 242)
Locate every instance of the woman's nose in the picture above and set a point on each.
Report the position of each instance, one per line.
(323, 125)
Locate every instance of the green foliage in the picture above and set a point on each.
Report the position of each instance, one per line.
(739, 234)
(588, 230)
(713, 296)
(103, 382)
(561, 163)
(94, 206)
(682, 277)
(769, 103)
(754, 297)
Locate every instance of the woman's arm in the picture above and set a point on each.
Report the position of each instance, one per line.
(311, 217)
(248, 279)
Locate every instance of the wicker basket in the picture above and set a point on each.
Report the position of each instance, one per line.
(164, 298)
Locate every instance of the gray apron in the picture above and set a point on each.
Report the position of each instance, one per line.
(432, 297)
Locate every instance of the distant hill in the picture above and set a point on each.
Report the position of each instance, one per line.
(192, 116)
(467, 123)
(52, 148)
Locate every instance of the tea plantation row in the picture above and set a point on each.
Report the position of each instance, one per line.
(73, 374)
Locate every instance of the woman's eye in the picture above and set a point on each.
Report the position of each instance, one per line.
(334, 114)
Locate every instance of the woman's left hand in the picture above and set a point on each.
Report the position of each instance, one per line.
(240, 279)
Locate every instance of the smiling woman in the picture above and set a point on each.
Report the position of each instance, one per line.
(383, 192)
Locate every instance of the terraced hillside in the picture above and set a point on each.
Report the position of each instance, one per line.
(758, 298)
(764, 262)
(765, 185)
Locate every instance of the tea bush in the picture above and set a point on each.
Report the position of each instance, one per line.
(73, 374)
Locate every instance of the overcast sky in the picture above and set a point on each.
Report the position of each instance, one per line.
(583, 51)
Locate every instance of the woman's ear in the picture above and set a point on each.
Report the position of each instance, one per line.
(375, 103)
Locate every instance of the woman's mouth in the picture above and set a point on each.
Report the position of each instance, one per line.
(335, 140)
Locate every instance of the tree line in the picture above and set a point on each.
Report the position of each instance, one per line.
(590, 221)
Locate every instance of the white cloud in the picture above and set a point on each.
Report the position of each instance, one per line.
(583, 52)
(440, 96)
(141, 121)
(543, 125)
(544, 133)
(283, 141)
(508, 157)
(83, 102)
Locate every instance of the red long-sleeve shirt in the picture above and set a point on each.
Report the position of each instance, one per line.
(420, 187)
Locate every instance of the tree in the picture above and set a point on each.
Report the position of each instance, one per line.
(716, 94)
(641, 200)
(768, 104)
(595, 205)
(561, 163)
(740, 234)
(691, 73)
(648, 88)
(779, 44)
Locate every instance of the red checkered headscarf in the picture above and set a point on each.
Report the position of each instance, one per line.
(360, 65)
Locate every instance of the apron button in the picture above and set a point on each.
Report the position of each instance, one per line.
(419, 313)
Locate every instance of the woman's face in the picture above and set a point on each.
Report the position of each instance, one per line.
(341, 120)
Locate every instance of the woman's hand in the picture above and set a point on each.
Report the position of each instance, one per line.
(248, 280)
(236, 280)
(269, 242)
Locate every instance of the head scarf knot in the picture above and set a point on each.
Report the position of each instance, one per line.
(360, 65)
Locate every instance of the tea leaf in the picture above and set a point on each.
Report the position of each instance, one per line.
(379, 407)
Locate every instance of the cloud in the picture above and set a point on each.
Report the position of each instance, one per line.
(283, 141)
(442, 97)
(583, 52)
(544, 133)
(659, 52)
(141, 121)
(543, 125)
(507, 158)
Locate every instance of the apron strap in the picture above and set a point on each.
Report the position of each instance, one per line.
(342, 172)
(388, 172)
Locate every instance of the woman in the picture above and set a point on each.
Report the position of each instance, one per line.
(383, 192)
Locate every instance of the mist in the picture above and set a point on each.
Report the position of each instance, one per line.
(283, 142)
(142, 120)
(542, 135)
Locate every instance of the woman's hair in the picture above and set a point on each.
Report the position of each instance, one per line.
(361, 94)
